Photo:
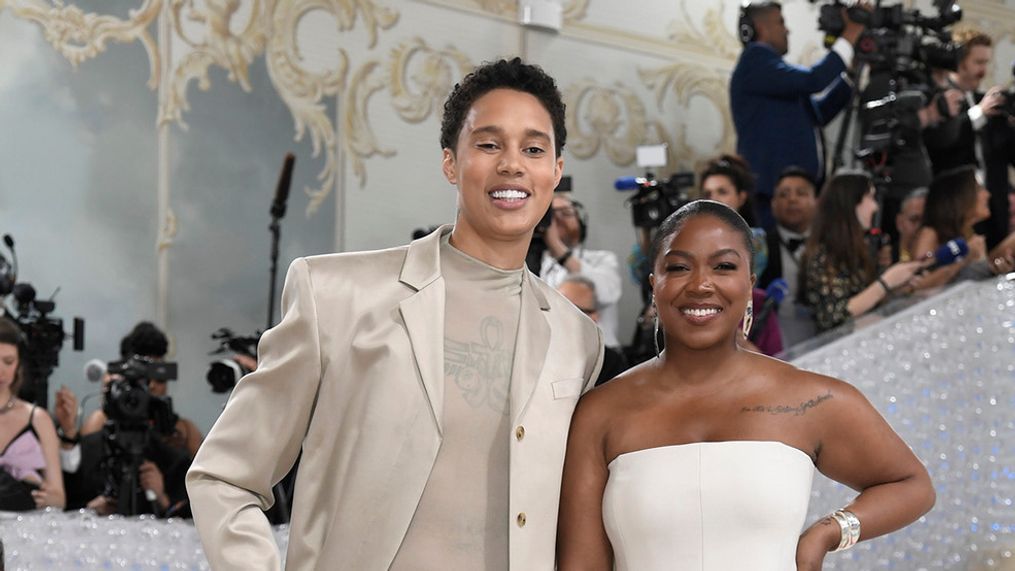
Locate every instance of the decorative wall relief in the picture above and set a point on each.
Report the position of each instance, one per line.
(573, 10)
(715, 32)
(79, 36)
(418, 78)
(609, 117)
(218, 46)
(687, 81)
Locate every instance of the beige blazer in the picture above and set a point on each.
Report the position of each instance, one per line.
(353, 375)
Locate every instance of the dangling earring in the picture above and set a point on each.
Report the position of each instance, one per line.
(748, 317)
(655, 335)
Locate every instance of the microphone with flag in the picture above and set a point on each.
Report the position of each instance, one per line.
(774, 294)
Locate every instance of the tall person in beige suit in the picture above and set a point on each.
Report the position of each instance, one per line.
(429, 387)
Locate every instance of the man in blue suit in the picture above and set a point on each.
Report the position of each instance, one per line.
(779, 108)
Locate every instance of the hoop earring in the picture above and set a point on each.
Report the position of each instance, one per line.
(748, 317)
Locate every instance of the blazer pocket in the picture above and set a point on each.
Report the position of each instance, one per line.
(567, 388)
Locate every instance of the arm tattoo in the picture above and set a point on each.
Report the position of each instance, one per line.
(797, 410)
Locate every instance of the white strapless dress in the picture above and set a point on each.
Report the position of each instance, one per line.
(709, 506)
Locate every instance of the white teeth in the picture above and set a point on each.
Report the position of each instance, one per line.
(701, 312)
(508, 194)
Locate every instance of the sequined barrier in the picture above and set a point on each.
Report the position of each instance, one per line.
(943, 373)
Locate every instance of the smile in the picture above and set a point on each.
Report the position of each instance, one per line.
(509, 194)
(701, 311)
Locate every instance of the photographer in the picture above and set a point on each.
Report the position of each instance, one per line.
(147, 341)
(981, 134)
(160, 478)
(779, 108)
(566, 255)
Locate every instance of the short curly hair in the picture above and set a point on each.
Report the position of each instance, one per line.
(145, 340)
(503, 74)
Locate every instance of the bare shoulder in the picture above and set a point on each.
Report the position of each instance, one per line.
(621, 395)
(801, 389)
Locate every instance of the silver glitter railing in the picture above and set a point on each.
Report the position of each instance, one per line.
(942, 372)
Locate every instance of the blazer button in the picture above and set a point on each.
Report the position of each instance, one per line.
(520, 432)
(521, 519)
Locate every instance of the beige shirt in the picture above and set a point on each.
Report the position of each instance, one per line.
(462, 518)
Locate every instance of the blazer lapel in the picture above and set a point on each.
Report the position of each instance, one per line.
(423, 314)
(530, 348)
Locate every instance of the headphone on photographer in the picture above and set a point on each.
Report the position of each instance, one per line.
(745, 21)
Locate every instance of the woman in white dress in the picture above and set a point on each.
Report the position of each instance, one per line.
(702, 458)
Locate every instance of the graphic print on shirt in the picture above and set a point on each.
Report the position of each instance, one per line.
(481, 369)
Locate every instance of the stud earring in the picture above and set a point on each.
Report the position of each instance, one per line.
(748, 317)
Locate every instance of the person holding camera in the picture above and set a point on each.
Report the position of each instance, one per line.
(982, 133)
(149, 342)
(566, 255)
(86, 461)
(779, 108)
(29, 463)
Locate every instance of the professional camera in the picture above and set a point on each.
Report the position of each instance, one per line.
(128, 400)
(44, 334)
(654, 199)
(225, 373)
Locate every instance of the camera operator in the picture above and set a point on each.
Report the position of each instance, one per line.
(779, 108)
(161, 476)
(566, 255)
(981, 134)
(147, 341)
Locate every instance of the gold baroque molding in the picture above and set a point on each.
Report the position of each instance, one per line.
(219, 47)
(612, 118)
(687, 81)
(80, 36)
(433, 78)
(715, 33)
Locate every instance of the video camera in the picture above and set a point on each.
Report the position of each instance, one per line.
(44, 334)
(133, 416)
(223, 374)
(654, 199)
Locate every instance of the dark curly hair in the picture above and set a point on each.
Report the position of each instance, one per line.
(506, 74)
(145, 340)
(739, 173)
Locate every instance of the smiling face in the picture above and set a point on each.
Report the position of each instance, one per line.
(702, 282)
(505, 168)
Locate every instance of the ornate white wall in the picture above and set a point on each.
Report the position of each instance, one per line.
(141, 140)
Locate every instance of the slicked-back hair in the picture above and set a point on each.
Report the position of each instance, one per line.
(951, 198)
(674, 223)
(503, 74)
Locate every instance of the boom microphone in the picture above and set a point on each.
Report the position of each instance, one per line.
(282, 190)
